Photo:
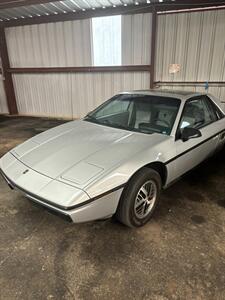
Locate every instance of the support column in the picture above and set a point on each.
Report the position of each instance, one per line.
(153, 48)
(7, 77)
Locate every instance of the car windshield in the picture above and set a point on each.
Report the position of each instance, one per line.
(141, 113)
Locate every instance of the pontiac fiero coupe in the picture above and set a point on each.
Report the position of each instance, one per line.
(116, 160)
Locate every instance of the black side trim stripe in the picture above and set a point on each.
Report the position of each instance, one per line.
(13, 185)
(192, 148)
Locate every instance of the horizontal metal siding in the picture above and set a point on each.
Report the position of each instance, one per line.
(3, 102)
(50, 45)
(196, 41)
(136, 39)
(71, 95)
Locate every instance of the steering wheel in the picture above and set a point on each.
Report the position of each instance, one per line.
(163, 121)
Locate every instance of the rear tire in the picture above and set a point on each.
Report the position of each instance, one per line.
(139, 198)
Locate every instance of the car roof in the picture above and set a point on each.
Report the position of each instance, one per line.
(183, 95)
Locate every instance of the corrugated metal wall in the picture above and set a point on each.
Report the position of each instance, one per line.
(59, 44)
(69, 44)
(3, 103)
(71, 95)
(136, 39)
(196, 41)
(193, 40)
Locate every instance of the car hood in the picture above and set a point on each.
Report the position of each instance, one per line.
(79, 151)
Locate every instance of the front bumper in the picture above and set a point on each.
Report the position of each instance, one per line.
(36, 200)
(93, 209)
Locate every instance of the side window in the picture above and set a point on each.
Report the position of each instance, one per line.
(197, 114)
(215, 109)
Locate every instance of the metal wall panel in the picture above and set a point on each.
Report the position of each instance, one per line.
(43, 94)
(136, 39)
(71, 95)
(3, 102)
(69, 43)
(50, 45)
(196, 41)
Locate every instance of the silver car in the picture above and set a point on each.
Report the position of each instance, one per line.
(116, 160)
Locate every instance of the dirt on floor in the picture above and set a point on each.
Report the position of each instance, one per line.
(180, 254)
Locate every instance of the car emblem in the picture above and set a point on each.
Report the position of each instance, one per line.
(24, 172)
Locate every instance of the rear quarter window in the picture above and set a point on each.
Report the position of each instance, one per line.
(215, 108)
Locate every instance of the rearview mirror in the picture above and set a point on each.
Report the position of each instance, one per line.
(190, 133)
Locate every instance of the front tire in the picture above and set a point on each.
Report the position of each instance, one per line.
(139, 198)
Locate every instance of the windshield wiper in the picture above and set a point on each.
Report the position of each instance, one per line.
(105, 122)
(121, 126)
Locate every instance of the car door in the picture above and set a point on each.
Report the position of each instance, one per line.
(197, 113)
(221, 124)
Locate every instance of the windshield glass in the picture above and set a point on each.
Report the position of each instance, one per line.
(140, 113)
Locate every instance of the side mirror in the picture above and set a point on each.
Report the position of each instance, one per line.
(190, 133)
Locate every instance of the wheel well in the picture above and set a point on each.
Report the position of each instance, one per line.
(160, 168)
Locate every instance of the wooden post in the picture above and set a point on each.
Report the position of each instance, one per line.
(7, 76)
(153, 48)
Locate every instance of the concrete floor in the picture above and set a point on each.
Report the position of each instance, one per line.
(180, 254)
